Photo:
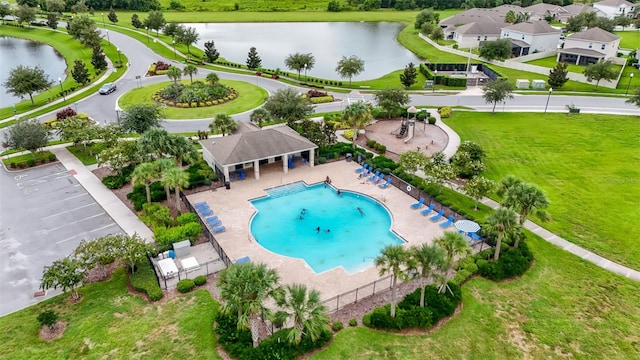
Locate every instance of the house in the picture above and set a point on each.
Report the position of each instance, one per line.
(541, 11)
(572, 10)
(529, 37)
(472, 27)
(280, 144)
(613, 8)
(589, 46)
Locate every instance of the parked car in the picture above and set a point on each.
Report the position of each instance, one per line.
(107, 88)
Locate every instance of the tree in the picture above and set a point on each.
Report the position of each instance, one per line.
(135, 21)
(119, 155)
(305, 309)
(412, 161)
(425, 259)
(98, 59)
(210, 51)
(438, 171)
(98, 253)
(348, 67)
(391, 261)
(244, 288)
(287, 105)
(187, 36)
(67, 274)
(48, 318)
(132, 250)
(190, 70)
(79, 7)
(77, 130)
(477, 188)
(140, 117)
(495, 50)
(357, 115)
(426, 16)
(558, 76)
(223, 123)
(392, 100)
(635, 98)
(28, 134)
(259, 116)
(526, 199)
(80, 73)
(162, 166)
(113, 17)
(177, 179)
(453, 244)
(317, 132)
(436, 34)
(24, 80)
(56, 6)
(622, 20)
(171, 29)
(52, 20)
(5, 9)
(409, 76)
(155, 21)
(601, 70)
(174, 73)
(496, 91)
(25, 14)
(155, 143)
(83, 28)
(212, 78)
(183, 149)
(145, 174)
(575, 24)
(253, 60)
(502, 222)
(510, 17)
(299, 62)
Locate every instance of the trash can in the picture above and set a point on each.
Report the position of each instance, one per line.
(227, 185)
(349, 157)
(360, 158)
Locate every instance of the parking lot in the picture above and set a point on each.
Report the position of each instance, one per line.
(44, 214)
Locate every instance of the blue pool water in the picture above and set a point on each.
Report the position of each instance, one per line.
(353, 241)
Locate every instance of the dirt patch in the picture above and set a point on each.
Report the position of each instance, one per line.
(51, 333)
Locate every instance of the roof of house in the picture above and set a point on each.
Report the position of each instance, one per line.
(541, 8)
(519, 43)
(575, 9)
(479, 15)
(256, 145)
(614, 3)
(581, 51)
(479, 28)
(594, 34)
(533, 27)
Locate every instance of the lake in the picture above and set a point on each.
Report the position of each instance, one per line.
(373, 42)
(14, 52)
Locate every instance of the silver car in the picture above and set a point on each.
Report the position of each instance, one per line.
(107, 88)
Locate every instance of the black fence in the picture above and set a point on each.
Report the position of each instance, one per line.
(210, 267)
(353, 296)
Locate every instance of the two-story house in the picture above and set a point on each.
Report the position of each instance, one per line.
(589, 46)
(529, 37)
(613, 8)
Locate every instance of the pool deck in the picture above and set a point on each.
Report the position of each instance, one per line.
(235, 212)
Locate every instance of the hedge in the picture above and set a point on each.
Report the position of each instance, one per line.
(144, 280)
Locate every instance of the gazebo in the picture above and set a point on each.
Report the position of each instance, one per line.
(252, 149)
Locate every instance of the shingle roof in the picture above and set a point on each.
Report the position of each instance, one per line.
(614, 3)
(479, 28)
(581, 51)
(256, 145)
(495, 15)
(594, 34)
(575, 9)
(519, 43)
(533, 27)
(541, 8)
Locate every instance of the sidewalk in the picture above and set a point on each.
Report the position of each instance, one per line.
(121, 214)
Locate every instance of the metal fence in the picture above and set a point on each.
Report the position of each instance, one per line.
(418, 193)
(353, 296)
(205, 269)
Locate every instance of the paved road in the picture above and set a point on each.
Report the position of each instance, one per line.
(44, 214)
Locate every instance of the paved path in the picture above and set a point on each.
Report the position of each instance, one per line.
(121, 214)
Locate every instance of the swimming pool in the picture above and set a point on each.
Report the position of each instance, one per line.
(323, 228)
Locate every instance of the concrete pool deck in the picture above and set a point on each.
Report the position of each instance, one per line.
(235, 210)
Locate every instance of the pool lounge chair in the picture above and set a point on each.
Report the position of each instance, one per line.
(214, 223)
(367, 171)
(418, 204)
(386, 185)
(200, 204)
(219, 229)
(426, 211)
(372, 177)
(362, 168)
(212, 218)
(447, 223)
(437, 216)
(207, 212)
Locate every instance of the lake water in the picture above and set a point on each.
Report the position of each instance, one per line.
(373, 42)
(14, 52)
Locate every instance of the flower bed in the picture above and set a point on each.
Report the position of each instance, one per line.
(195, 95)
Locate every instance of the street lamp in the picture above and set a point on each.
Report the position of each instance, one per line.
(147, 34)
(109, 41)
(628, 84)
(174, 49)
(305, 71)
(435, 78)
(119, 56)
(62, 89)
(548, 97)
(103, 23)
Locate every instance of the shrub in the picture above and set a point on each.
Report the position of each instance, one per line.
(353, 322)
(48, 318)
(381, 149)
(512, 262)
(185, 285)
(337, 326)
(371, 143)
(348, 134)
(187, 218)
(154, 215)
(31, 162)
(208, 103)
(51, 157)
(432, 120)
(162, 66)
(194, 104)
(200, 280)
(366, 320)
(322, 160)
(65, 113)
(144, 280)
(445, 112)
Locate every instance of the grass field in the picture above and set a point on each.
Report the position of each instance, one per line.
(249, 97)
(588, 165)
(111, 323)
(630, 39)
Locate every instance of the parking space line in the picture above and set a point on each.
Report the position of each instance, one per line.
(77, 221)
(73, 197)
(68, 211)
(84, 233)
(104, 227)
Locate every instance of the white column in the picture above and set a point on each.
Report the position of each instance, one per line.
(285, 163)
(226, 173)
(256, 169)
(312, 156)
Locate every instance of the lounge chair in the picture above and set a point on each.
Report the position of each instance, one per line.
(201, 210)
(447, 223)
(207, 212)
(437, 216)
(386, 185)
(214, 223)
(362, 168)
(212, 218)
(219, 229)
(367, 171)
(374, 175)
(426, 211)
(418, 204)
(200, 204)
(474, 236)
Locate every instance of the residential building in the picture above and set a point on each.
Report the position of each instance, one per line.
(576, 9)
(613, 8)
(531, 37)
(589, 46)
(541, 11)
(472, 27)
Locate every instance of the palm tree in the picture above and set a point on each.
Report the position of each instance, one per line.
(174, 73)
(503, 222)
(526, 199)
(183, 149)
(507, 184)
(391, 260)
(453, 244)
(223, 123)
(156, 142)
(177, 179)
(212, 78)
(424, 260)
(244, 288)
(163, 165)
(144, 174)
(356, 115)
(306, 310)
(258, 116)
(190, 70)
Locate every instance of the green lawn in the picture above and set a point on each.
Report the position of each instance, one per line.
(249, 97)
(588, 165)
(550, 62)
(111, 323)
(630, 39)
(86, 154)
